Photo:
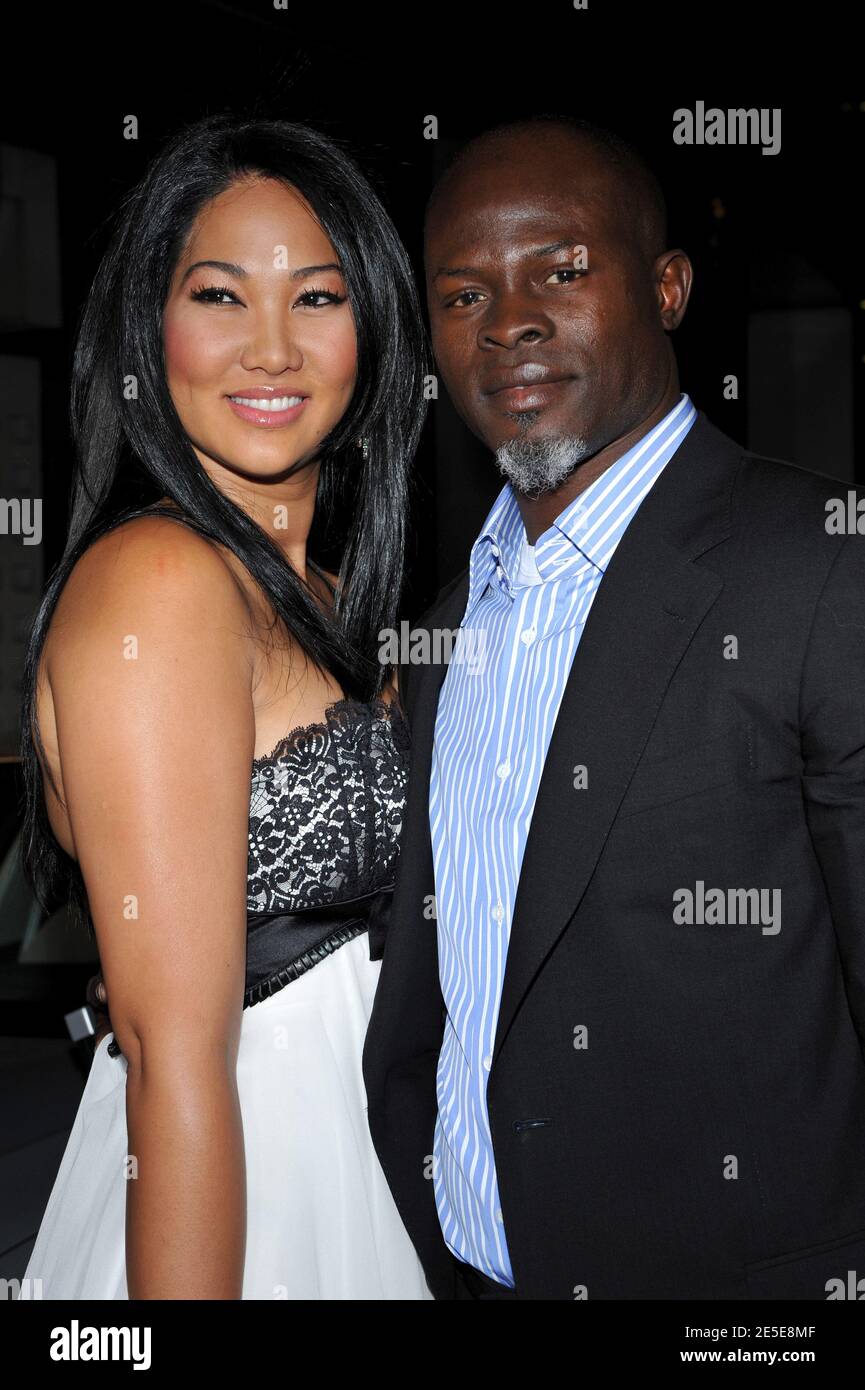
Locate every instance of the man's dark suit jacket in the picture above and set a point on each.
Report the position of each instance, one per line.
(708, 1141)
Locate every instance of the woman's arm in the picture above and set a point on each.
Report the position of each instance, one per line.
(151, 677)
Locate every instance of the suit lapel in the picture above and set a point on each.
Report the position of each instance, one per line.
(650, 603)
(648, 607)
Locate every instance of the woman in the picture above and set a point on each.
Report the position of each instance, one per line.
(215, 762)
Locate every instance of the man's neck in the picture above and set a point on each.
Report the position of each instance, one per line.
(539, 513)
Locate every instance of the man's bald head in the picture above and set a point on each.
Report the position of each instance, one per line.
(632, 185)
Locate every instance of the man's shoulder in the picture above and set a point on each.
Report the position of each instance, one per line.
(762, 471)
(774, 497)
(759, 473)
(443, 601)
(446, 610)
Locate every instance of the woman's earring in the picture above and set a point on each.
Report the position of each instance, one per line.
(363, 445)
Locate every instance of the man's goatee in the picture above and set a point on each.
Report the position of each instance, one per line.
(536, 466)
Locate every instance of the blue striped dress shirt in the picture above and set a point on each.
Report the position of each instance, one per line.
(525, 614)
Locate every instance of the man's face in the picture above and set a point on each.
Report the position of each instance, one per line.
(530, 344)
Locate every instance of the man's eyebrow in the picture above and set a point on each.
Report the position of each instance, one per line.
(240, 273)
(535, 254)
(456, 270)
(553, 246)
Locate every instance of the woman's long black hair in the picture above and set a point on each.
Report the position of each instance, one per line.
(127, 447)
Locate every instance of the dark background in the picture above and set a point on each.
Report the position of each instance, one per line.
(776, 241)
(776, 233)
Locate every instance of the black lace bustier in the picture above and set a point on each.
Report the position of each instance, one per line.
(325, 816)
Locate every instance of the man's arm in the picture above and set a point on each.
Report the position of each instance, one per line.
(832, 723)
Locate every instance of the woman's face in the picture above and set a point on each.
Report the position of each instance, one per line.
(270, 327)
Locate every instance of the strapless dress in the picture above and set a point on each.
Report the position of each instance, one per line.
(325, 816)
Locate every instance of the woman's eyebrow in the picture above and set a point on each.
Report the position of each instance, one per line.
(241, 274)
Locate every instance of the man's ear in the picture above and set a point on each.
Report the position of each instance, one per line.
(674, 275)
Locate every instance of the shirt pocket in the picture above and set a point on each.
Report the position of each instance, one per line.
(714, 762)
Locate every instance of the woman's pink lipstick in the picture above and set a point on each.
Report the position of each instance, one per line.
(268, 419)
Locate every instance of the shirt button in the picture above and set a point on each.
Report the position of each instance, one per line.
(528, 635)
(503, 769)
(498, 912)
(488, 1061)
(499, 1216)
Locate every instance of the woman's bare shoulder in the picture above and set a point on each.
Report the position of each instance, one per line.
(148, 564)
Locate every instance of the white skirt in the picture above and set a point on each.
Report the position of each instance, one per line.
(321, 1221)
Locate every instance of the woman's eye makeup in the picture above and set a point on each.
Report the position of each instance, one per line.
(211, 294)
(329, 295)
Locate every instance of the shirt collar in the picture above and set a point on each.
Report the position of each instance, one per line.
(588, 530)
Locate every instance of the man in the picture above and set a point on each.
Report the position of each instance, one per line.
(617, 1044)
